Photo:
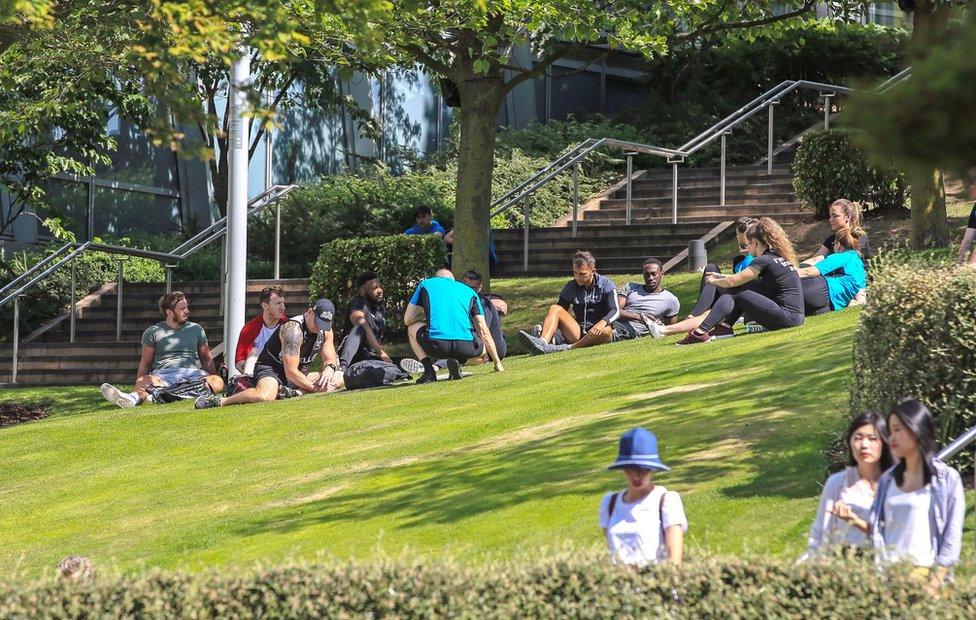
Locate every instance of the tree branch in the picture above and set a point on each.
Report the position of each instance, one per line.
(538, 70)
(769, 19)
(432, 63)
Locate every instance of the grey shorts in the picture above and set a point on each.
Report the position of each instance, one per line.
(172, 376)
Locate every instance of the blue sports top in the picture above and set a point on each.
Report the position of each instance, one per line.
(847, 276)
(742, 264)
(435, 227)
(450, 306)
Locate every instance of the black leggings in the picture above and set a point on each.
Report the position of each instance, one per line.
(707, 293)
(763, 310)
(816, 298)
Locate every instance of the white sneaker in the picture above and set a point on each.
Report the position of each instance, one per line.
(114, 396)
(412, 366)
(656, 329)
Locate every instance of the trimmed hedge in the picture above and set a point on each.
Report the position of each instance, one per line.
(828, 165)
(917, 337)
(400, 261)
(560, 587)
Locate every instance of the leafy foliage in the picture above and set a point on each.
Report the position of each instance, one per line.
(565, 586)
(828, 165)
(916, 338)
(400, 261)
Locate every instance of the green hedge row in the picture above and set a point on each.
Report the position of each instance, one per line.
(570, 587)
(400, 261)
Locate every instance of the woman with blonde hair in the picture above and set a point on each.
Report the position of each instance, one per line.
(842, 214)
(768, 290)
(834, 282)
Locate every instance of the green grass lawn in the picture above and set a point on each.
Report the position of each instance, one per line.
(497, 465)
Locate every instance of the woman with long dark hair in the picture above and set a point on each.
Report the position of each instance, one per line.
(918, 510)
(851, 492)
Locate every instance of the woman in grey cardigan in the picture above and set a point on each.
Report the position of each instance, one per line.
(919, 507)
(851, 490)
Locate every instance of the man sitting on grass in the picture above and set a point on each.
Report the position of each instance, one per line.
(593, 301)
(641, 304)
(282, 368)
(445, 319)
(258, 330)
(495, 308)
(174, 351)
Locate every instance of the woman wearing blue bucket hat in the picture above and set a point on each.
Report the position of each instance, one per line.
(645, 523)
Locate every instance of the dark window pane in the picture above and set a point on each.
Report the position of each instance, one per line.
(118, 212)
(576, 94)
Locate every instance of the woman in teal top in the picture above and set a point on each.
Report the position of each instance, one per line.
(835, 280)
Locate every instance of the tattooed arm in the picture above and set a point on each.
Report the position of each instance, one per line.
(291, 343)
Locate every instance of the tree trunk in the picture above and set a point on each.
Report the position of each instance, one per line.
(480, 102)
(930, 226)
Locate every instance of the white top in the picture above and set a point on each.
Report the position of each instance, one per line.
(635, 532)
(828, 531)
(907, 531)
(263, 337)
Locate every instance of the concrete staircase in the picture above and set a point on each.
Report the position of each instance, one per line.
(619, 248)
(48, 357)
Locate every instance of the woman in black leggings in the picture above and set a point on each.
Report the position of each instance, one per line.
(768, 289)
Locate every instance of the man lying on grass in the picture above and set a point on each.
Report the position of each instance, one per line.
(282, 368)
(445, 320)
(594, 304)
(175, 351)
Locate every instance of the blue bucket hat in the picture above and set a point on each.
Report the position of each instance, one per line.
(638, 448)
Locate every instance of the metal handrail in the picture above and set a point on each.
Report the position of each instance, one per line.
(40, 265)
(958, 445)
(73, 254)
(272, 193)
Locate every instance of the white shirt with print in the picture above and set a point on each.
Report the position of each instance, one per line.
(635, 532)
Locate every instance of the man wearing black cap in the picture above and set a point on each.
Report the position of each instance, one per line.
(282, 368)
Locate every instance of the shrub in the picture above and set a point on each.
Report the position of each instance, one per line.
(400, 261)
(828, 165)
(576, 587)
(917, 337)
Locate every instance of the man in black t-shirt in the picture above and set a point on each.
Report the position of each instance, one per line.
(282, 366)
(366, 323)
(495, 308)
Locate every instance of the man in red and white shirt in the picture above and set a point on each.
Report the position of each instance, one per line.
(257, 331)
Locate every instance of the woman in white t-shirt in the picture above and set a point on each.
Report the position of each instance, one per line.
(851, 491)
(645, 523)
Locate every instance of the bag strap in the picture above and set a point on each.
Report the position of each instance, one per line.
(613, 504)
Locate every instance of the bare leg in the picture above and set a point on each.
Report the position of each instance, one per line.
(560, 318)
(216, 383)
(265, 391)
(593, 338)
(418, 351)
(146, 381)
(684, 326)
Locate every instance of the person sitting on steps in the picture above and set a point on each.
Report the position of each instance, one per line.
(282, 368)
(836, 280)
(640, 304)
(174, 351)
(258, 330)
(768, 290)
(445, 320)
(594, 304)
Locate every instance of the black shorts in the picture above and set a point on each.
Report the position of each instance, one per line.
(451, 349)
(262, 371)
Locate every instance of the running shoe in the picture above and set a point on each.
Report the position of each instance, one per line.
(206, 402)
(754, 328)
(693, 338)
(656, 329)
(113, 395)
(537, 346)
(411, 366)
(285, 392)
(721, 332)
(454, 369)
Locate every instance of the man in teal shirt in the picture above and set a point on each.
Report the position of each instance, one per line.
(175, 350)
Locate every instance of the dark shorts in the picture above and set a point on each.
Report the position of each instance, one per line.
(623, 330)
(450, 349)
(262, 371)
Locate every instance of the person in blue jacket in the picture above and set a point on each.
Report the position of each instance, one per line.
(835, 280)
(426, 224)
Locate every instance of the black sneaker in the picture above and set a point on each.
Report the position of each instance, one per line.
(287, 392)
(206, 402)
(454, 369)
(427, 378)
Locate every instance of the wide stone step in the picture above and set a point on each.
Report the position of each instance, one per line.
(734, 184)
(705, 201)
(730, 172)
(788, 217)
(712, 212)
(597, 230)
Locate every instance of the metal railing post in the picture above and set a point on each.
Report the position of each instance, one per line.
(575, 197)
(13, 371)
(721, 191)
(525, 237)
(169, 278)
(223, 272)
(74, 301)
(277, 260)
(118, 303)
(674, 194)
(769, 151)
(826, 99)
(630, 184)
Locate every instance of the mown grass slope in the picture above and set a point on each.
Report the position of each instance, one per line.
(495, 465)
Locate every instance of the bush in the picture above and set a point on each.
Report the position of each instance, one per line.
(917, 337)
(400, 261)
(575, 587)
(828, 165)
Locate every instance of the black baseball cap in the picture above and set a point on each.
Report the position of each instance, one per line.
(324, 312)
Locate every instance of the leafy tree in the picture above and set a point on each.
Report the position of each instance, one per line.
(471, 44)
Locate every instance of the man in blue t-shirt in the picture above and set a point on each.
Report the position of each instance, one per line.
(593, 301)
(446, 320)
(426, 224)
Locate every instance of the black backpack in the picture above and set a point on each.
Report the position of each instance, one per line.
(186, 390)
(373, 373)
